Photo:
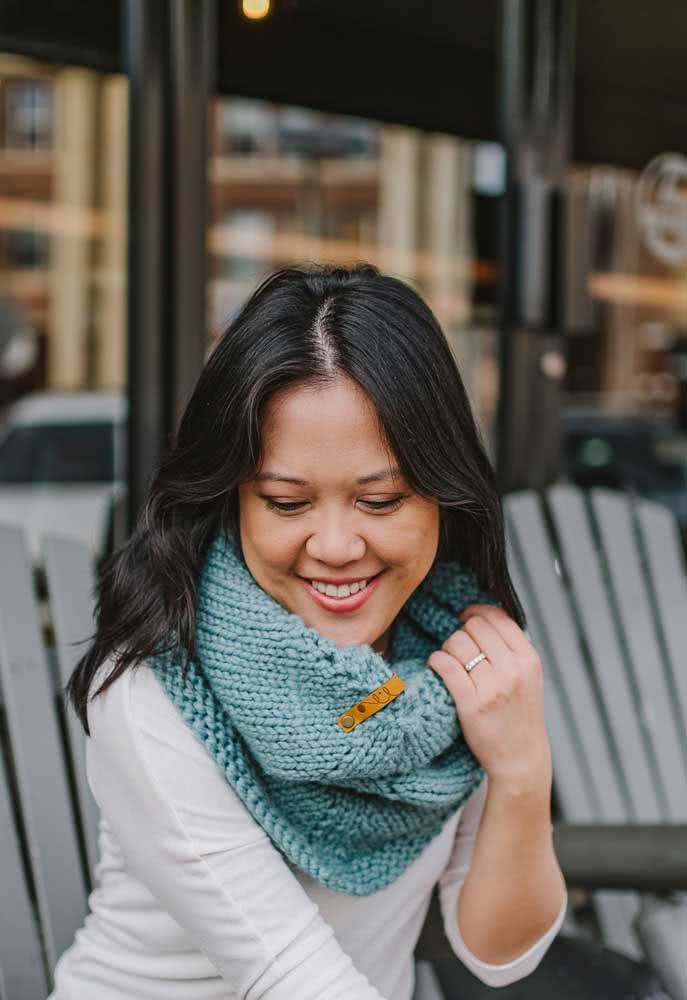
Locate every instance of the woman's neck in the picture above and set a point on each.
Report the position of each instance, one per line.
(382, 645)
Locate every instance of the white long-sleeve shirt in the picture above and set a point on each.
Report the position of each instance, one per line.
(194, 902)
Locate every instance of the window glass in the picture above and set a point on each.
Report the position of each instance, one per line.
(58, 453)
(63, 203)
(625, 413)
(291, 185)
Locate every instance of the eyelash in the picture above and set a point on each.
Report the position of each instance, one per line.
(374, 504)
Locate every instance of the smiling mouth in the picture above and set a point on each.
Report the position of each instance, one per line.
(341, 590)
(345, 597)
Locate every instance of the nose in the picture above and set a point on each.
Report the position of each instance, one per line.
(335, 543)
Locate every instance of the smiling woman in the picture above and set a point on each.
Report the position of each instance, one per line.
(336, 374)
(342, 550)
(282, 776)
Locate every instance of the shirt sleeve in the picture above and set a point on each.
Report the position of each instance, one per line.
(186, 835)
(450, 884)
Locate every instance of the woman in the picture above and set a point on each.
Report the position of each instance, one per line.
(308, 664)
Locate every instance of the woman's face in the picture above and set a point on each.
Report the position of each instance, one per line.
(327, 504)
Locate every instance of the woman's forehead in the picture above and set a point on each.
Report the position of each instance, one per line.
(277, 475)
(330, 416)
(331, 432)
(341, 396)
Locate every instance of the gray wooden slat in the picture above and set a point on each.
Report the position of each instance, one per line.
(22, 971)
(602, 799)
(617, 912)
(663, 547)
(570, 779)
(643, 653)
(70, 573)
(595, 794)
(566, 764)
(426, 984)
(606, 654)
(662, 929)
(37, 751)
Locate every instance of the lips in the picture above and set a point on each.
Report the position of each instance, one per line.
(342, 605)
(339, 581)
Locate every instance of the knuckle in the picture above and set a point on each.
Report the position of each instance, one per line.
(452, 643)
(534, 661)
(497, 697)
(468, 625)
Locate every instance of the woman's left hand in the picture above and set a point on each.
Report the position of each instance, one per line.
(500, 703)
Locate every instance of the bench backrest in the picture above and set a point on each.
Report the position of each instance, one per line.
(604, 586)
(44, 871)
(603, 583)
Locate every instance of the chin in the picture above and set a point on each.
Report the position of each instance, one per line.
(343, 633)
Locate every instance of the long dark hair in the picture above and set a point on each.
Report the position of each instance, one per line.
(305, 324)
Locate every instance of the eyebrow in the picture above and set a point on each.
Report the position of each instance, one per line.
(373, 477)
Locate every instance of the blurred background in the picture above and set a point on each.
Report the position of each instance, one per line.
(523, 164)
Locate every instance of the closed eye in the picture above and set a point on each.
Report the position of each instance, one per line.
(384, 504)
(295, 505)
(275, 505)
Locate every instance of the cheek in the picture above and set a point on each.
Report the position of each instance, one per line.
(267, 538)
(423, 523)
(411, 542)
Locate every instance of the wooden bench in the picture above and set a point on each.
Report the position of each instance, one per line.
(602, 578)
(48, 817)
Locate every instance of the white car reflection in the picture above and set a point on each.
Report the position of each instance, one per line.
(63, 465)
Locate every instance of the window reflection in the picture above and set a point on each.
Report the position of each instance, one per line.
(63, 193)
(625, 418)
(28, 119)
(290, 185)
(58, 453)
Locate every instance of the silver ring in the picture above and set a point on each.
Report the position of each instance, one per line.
(474, 661)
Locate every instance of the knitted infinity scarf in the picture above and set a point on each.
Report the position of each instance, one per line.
(352, 809)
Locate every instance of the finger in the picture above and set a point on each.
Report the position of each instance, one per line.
(509, 630)
(455, 677)
(461, 645)
(488, 640)
(482, 677)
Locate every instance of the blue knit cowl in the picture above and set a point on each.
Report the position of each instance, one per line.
(352, 809)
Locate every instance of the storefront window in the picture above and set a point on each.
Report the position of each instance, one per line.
(292, 185)
(28, 114)
(63, 184)
(625, 416)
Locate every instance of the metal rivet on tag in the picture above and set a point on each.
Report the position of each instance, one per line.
(371, 703)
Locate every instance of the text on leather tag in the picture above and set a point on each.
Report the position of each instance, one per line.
(371, 703)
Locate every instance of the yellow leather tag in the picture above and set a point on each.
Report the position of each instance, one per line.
(371, 703)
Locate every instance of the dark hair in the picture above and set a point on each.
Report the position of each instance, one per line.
(305, 324)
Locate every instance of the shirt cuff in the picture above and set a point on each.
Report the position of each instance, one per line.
(507, 972)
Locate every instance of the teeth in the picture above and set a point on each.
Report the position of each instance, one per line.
(345, 590)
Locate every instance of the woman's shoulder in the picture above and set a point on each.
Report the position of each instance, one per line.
(148, 768)
(135, 706)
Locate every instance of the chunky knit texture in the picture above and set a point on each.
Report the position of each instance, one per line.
(354, 809)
